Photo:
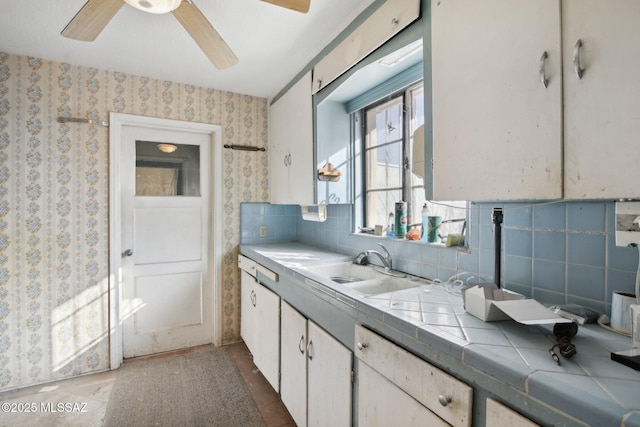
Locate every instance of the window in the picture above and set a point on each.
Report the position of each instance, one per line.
(377, 106)
(164, 169)
(391, 174)
(389, 128)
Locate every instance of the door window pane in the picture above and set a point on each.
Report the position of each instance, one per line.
(167, 169)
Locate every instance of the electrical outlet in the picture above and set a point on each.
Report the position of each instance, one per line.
(263, 231)
(627, 223)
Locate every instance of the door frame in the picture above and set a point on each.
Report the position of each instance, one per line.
(116, 123)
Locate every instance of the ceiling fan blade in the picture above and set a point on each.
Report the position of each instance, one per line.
(201, 30)
(91, 19)
(297, 5)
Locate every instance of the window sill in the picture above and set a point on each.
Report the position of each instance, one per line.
(464, 248)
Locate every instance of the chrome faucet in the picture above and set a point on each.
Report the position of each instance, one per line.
(386, 258)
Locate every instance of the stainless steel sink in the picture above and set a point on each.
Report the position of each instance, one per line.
(367, 280)
(343, 271)
(381, 286)
(343, 279)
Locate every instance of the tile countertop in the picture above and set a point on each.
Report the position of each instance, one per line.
(589, 386)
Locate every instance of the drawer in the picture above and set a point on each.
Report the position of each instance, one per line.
(252, 267)
(247, 265)
(446, 396)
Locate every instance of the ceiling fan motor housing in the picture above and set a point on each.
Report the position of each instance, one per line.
(155, 6)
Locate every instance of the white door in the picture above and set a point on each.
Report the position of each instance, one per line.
(166, 283)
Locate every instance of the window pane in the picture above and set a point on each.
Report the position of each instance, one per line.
(384, 154)
(167, 173)
(379, 205)
(384, 167)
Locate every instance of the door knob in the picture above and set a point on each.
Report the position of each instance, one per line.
(128, 252)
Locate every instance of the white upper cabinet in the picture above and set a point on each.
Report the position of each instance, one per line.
(497, 127)
(389, 19)
(602, 109)
(291, 165)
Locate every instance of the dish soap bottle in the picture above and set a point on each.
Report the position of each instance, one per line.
(425, 222)
(390, 225)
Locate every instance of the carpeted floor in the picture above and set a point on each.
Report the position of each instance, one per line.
(203, 388)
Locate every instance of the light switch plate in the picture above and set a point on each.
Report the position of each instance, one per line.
(627, 223)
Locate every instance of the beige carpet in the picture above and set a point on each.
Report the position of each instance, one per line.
(201, 388)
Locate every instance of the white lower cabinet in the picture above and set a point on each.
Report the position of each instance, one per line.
(315, 373)
(397, 388)
(260, 326)
(500, 415)
(382, 403)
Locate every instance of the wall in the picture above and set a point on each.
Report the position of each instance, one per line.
(561, 252)
(54, 205)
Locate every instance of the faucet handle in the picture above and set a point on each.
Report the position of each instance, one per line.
(361, 259)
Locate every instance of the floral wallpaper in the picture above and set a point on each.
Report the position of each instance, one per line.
(54, 205)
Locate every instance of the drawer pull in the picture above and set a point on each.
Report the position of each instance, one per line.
(444, 399)
(361, 346)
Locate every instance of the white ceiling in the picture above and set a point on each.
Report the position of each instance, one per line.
(272, 43)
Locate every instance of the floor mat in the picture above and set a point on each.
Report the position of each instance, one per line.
(201, 388)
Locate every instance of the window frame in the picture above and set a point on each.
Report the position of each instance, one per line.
(404, 95)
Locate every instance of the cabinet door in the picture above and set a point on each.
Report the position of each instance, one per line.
(383, 24)
(291, 146)
(278, 162)
(602, 109)
(497, 131)
(381, 403)
(267, 327)
(329, 366)
(422, 381)
(247, 310)
(293, 381)
(500, 415)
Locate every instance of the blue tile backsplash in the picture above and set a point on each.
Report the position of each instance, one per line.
(561, 252)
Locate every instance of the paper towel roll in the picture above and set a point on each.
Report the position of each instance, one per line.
(316, 213)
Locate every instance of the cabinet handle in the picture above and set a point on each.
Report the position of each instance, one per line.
(301, 344)
(253, 298)
(361, 346)
(543, 78)
(444, 399)
(310, 350)
(289, 159)
(285, 160)
(576, 59)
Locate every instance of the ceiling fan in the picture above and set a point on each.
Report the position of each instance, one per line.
(96, 14)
